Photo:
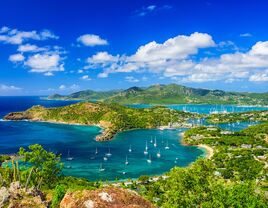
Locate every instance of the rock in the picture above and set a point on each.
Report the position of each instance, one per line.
(109, 197)
(28, 202)
(4, 196)
(89, 204)
(14, 186)
(105, 197)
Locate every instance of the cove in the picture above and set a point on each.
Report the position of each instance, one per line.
(79, 143)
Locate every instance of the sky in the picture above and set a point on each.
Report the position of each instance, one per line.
(58, 46)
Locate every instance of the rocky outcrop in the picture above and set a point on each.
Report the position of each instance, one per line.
(17, 197)
(110, 197)
(16, 116)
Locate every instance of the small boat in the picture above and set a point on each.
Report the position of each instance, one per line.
(155, 144)
(68, 167)
(124, 173)
(126, 163)
(158, 154)
(167, 147)
(92, 158)
(146, 149)
(96, 152)
(151, 140)
(69, 158)
(101, 169)
(130, 150)
(105, 158)
(149, 160)
(109, 153)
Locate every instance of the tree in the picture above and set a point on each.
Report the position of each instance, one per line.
(45, 166)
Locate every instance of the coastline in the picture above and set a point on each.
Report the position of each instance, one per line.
(209, 151)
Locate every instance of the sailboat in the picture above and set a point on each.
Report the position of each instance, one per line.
(130, 150)
(146, 149)
(101, 169)
(126, 163)
(158, 154)
(155, 144)
(96, 152)
(167, 147)
(109, 153)
(151, 140)
(149, 160)
(69, 158)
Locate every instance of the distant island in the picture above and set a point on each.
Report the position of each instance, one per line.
(113, 118)
(168, 94)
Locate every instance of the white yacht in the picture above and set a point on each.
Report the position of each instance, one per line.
(149, 160)
(69, 158)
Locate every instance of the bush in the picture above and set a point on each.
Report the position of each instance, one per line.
(58, 195)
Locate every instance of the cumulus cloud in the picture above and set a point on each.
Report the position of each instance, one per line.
(30, 48)
(91, 40)
(259, 77)
(154, 57)
(14, 36)
(16, 57)
(45, 63)
(131, 79)
(7, 88)
(175, 59)
(62, 87)
(86, 77)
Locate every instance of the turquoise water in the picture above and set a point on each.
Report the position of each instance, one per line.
(205, 109)
(80, 142)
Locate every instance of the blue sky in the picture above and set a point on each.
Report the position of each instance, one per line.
(61, 47)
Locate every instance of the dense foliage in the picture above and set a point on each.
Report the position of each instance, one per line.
(112, 117)
(238, 117)
(170, 94)
(236, 175)
(45, 166)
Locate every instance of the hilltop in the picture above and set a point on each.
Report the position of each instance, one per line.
(169, 94)
(112, 117)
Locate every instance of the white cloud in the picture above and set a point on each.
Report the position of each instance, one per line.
(175, 58)
(14, 36)
(62, 87)
(246, 35)
(92, 40)
(86, 77)
(102, 57)
(7, 88)
(151, 9)
(30, 48)
(131, 79)
(154, 57)
(179, 47)
(74, 87)
(259, 77)
(16, 57)
(45, 63)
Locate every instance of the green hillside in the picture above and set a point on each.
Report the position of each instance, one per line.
(170, 94)
(112, 117)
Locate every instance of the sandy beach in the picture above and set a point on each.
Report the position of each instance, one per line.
(209, 150)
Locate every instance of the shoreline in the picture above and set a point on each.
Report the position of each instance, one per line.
(209, 151)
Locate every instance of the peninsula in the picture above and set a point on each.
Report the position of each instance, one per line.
(113, 118)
